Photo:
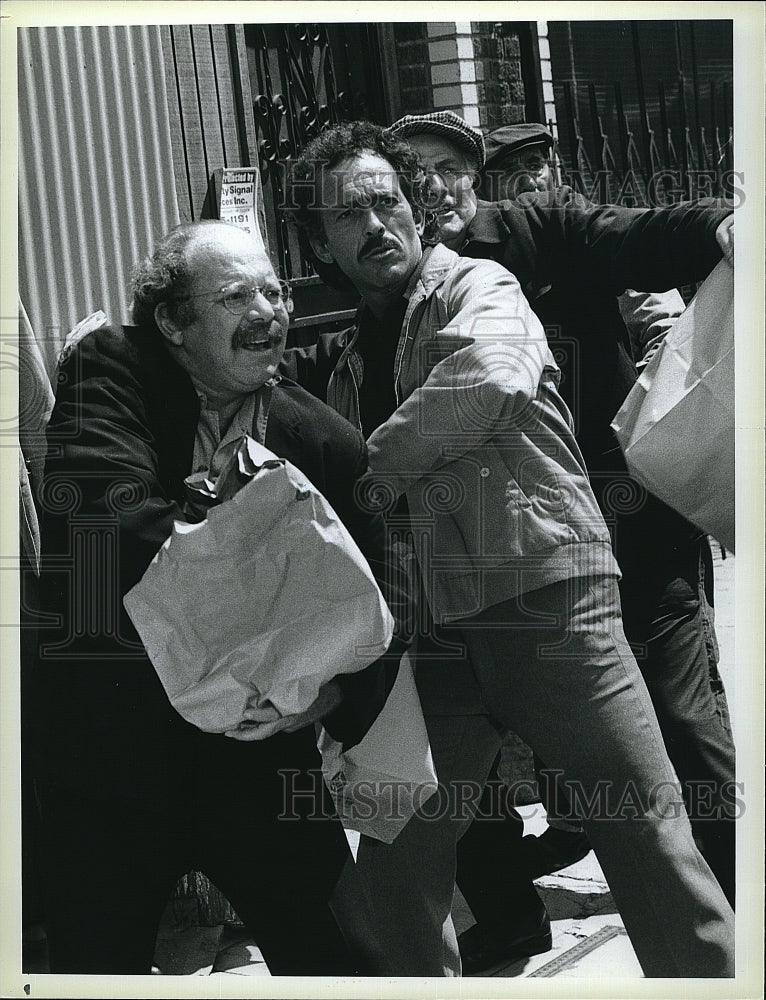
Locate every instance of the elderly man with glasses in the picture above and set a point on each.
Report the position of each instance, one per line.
(132, 795)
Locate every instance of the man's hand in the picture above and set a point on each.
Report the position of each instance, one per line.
(724, 237)
(260, 723)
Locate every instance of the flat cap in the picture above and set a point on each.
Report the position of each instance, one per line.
(511, 139)
(448, 125)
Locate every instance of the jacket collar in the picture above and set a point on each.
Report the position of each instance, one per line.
(432, 270)
(490, 236)
(435, 264)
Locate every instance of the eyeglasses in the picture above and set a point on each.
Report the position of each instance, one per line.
(238, 297)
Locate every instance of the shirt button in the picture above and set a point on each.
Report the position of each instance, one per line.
(484, 473)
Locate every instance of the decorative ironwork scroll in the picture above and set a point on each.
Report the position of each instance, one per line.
(303, 76)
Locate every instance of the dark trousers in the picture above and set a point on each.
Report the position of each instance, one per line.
(489, 875)
(111, 861)
(666, 617)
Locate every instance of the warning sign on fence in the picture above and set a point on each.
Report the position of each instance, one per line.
(238, 202)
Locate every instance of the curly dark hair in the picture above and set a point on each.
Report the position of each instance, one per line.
(164, 276)
(335, 143)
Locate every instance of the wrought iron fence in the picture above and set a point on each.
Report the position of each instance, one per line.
(645, 161)
(304, 76)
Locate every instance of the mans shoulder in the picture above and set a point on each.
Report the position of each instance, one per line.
(474, 272)
(125, 367)
(318, 421)
(311, 366)
(112, 344)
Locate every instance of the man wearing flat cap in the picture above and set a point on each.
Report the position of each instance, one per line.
(573, 260)
(518, 159)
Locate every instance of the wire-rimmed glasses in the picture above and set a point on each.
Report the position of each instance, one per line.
(238, 296)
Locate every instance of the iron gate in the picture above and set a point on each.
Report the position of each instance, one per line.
(304, 76)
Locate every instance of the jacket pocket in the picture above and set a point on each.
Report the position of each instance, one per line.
(536, 520)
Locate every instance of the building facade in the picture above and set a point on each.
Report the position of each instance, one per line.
(122, 129)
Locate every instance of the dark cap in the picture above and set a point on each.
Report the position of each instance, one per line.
(511, 139)
(449, 126)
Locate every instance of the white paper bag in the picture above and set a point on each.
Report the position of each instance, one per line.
(381, 782)
(676, 426)
(261, 603)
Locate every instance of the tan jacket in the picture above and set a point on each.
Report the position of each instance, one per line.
(482, 443)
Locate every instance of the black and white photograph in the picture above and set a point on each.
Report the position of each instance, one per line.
(382, 536)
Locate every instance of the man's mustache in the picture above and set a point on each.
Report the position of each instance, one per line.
(249, 332)
(377, 243)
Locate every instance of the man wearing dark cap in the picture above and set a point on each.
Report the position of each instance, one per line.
(573, 261)
(518, 160)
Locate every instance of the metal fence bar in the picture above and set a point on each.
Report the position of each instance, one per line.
(658, 163)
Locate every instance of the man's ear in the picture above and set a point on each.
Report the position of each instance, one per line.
(321, 250)
(168, 327)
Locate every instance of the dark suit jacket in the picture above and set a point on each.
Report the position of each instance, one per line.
(120, 443)
(572, 260)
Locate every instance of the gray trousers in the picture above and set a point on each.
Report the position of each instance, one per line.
(554, 666)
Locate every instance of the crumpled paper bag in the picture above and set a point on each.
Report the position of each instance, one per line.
(380, 783)
(259, 604)
(676, 426)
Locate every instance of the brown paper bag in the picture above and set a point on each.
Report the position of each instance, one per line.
(380, 783)
(676, 426)
(261, 603)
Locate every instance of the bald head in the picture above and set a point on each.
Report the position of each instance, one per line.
(170, 272)
(215, 239)
(211, 291)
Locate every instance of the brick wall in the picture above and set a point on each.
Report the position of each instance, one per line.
(501, 90)
(414, 69)
(462, 66)
(455, 76)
